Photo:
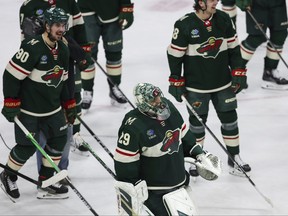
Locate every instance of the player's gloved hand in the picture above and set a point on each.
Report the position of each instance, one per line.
(11, 108)
(239, 80)
(244, 4)
(70, 110)
(126, 16)
(177, 87)
(84, 64)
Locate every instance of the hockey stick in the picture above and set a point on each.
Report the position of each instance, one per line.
(56, 178)
(94, 135)
(4, 142)
(110, 80)
(30, 136)
(222, 146)
(265, 35)
(87, 146)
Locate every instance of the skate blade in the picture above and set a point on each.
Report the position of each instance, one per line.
(118, 105)
(3, 188)
(274, 86)
(237, 172)
(81, 153)
(46, 195)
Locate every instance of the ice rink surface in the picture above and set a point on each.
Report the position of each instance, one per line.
(263, 123)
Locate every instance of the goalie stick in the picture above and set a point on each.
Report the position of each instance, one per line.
(222, 146)
(30, 136)
(56, 178)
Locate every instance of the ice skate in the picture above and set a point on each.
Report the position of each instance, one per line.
(56, 191)
(234, 169)
(77, 145)
(9, 186)
(87, 100)
(117, 98)
(272, 79)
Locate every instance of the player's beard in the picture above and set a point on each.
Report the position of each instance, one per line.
(58, 36)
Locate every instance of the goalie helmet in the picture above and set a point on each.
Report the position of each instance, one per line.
(55, 15)
(148, 99)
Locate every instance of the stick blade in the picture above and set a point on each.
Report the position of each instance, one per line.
(56, 178)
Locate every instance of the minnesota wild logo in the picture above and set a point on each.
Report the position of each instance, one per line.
(210, 48)
(54, 76)
(171, 141)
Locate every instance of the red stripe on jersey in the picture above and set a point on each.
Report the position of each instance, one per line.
(18, 69)
(176, 48)
(125, 153)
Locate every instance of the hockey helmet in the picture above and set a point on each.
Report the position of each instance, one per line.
(148, 99)
(55, 15)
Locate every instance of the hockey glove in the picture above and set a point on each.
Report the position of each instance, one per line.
(70, 110)
(239, 80)
(87, 61)
(11, 108)
(177, 87)
(126, 16)
(244, 4)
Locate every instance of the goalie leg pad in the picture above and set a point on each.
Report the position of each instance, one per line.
(178, 202)
(131, 198)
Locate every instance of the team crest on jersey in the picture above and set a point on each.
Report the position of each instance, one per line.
(195, 33)
(54, 76)
(211, 47)
(171, 141)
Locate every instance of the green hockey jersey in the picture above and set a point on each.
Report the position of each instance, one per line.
(206, 50)
(76, 22)
(106, 10)
(37, 75)
(153, 150)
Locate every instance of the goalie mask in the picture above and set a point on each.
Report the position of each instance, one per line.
(148, 99)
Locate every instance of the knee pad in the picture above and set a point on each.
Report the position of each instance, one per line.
(278, 38)
(253, 41)
(113, 56)
(56, 145)
(227, 117)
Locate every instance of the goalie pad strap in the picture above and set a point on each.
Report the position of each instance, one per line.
(178, 202)
(131, 198)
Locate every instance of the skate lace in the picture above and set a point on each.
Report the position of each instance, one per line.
(116, 92)
(276, 74)
(78, 141)
(239, 160)
(87, 96)
(12, 185)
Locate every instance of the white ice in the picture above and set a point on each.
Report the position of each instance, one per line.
(263, 122)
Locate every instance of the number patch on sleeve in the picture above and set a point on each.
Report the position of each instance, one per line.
(124, 139)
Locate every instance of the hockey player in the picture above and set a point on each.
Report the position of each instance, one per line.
(205, 44)
(106, 19)
(35, 89)
(149, 159)
(272, 15)
(76, 36)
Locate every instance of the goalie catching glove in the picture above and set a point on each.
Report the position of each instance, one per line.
(207, 165)
(131, 198)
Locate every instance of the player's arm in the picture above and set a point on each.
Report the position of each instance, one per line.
(127, 154)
